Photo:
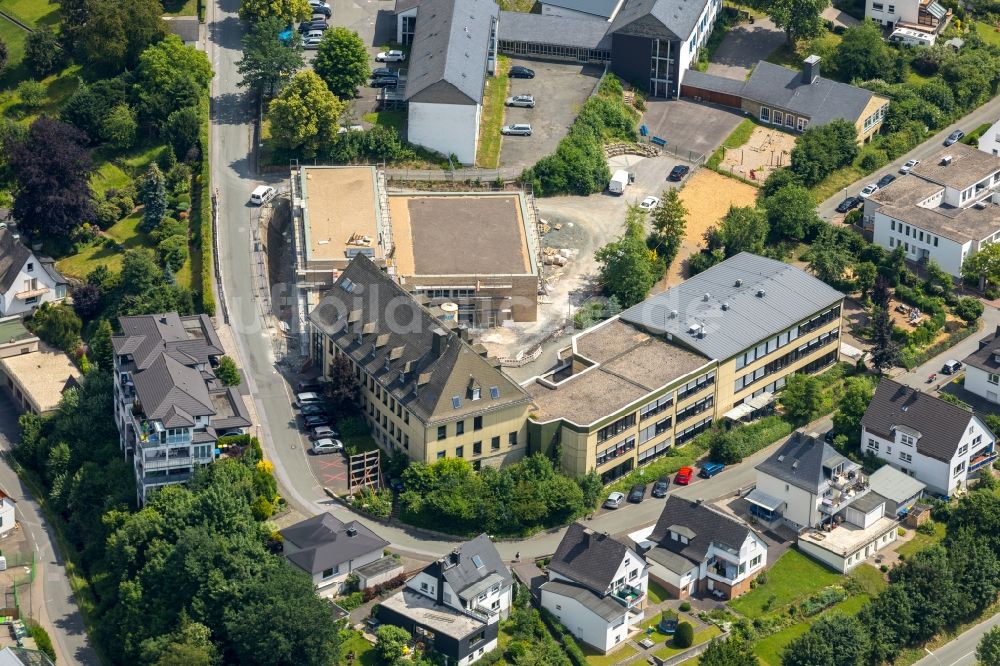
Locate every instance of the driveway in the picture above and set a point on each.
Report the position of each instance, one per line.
(560, 89)
(692, 128)
(743, 47)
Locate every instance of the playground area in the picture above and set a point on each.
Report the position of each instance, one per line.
(767, 149)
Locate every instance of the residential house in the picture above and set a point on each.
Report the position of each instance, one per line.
(34, 375)
(169, 405)
(596, 588)
(695, 549)
(934, 441)
(425, 390)
(454, 606)
(926, 16)
(982, 368)
(901, 491)
(717, 346)
(792, 100)
(330, 550)
(27, 279)
(946, 209)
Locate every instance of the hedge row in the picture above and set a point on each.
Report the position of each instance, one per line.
(201, 213)
(565, 638)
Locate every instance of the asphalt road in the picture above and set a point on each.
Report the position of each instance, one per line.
(962, 650)
(987, 113)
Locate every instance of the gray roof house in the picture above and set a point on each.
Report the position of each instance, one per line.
(901, 491)
(27, 279)
(590, 558)
(664, 18)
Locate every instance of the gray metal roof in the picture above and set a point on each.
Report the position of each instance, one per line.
(604, 607)
(555, 30)
(986, 357)
(713, 82)
(867, 502)
(892, 484)
(673, 19)
(762, 499)
(790, 295)
(589, 558)
(821, 101)
(172, 392)
(325, 541)
(602, 8)
(451, 42)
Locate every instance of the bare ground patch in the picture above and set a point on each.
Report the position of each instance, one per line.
(766, 150)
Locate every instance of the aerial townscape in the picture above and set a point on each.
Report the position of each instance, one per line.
(500, 332)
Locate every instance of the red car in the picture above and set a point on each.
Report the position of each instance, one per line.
(684, 475)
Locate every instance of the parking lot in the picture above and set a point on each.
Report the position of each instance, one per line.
(560, 89)
(690, 126)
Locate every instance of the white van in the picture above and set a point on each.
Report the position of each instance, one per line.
(262, 194)
(619, 181)
(909, 37)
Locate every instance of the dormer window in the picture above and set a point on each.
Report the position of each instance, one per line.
(476, 393)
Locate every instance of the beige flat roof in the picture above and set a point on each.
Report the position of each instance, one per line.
(847, 539)
(340, 202)
(41, 376)
(460, 234)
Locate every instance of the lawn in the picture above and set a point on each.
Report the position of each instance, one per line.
(656, 593)
(391, 118)
(492, 116)
(32, 12)
(921, 541)
(180, 7)
(739, 136)
(836, 182)
(364, 652)
(119, 170)
(14, 37)
(703, 636)
(596, 659)
(990, 34)
(792, 578)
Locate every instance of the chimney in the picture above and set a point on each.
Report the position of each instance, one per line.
(588, 536)
(438, 339)
(810, 69)
(454, 557)
(352, 531)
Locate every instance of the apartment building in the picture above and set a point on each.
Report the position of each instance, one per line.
(426, 390)
(717, 346)
(169, 406)
(946, 209)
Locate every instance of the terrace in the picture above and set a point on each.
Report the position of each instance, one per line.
(628, 595)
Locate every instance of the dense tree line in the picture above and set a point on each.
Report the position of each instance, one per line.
(190, 578)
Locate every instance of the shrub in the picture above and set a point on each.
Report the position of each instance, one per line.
(822, 600)
(43, 640)
(262, 509)
(227, 371)
(377, 504)
(968, 308)
(173, 251)
(351, 601)
(684, 636)
(370, 593)
(685, 606)
(31, 93)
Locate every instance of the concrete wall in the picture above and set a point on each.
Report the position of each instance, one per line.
(978, 381)
(445, 128)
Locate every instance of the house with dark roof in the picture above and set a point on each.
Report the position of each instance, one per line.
(329, 550)
(934, 441)
(591, 10)
(793, 100)
(696, 549)
(455, 605)
(170, 407)
(982, 368)
(27, 279)
(425, 390)
(596, 588)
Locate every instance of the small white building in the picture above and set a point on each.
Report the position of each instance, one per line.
(8, 514)
(923, 15)
(27, 279)
(982, 368)
(946, 209)
(597, 587)
(330, 550)
(934, 441)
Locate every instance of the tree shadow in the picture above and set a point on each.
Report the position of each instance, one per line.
(232, 108)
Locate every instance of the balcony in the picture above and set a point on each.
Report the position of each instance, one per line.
(164, 462)
(839, 497)
(628, 595)
(982, 459)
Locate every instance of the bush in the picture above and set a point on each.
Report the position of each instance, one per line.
(173, 251)
(351, 601)
(227, 371)
(377, 504)
(42, 640)
(684, 636)
(31, 93)
(823, 600)
(370, 593)
(685, 606)
(968, 308)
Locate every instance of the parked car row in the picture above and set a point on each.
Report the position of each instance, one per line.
(850, 203)
(522, 101)
(660, 487)
(310, 402)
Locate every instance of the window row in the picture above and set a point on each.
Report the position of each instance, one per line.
(695, 408)
(693, 431)
(616, 428)
(780, 117)
(918, 234)
(656, 406)
(782, 362)
(620, 449)
(654, 451)
(658, 428)
(695, 385)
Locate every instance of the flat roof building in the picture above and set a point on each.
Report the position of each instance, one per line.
(37, 378)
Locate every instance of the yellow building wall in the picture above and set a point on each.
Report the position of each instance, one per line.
(873, 104)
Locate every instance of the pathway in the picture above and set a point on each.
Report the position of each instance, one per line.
(743, 47)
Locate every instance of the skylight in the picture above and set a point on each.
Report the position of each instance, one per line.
(478, 561)
(494, 392)
(456, 401)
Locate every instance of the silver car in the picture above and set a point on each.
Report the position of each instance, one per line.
(614, 500)
(321, 446)
(526, 101)
(519, 129)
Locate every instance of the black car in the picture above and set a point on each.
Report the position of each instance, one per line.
(306, 26)
(384, 73)
(312, 409)
(678, 172)
(638, 493)
(310, 387)
(324, 10)
(885, 180)
(829, 436)
(518, 72)
(660, 487)
(849, 204)
(385, 82)
(314, 420)
(954, 137)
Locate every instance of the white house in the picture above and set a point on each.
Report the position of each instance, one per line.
(925, 437)
(945, 210)
(330, 550)
(596, 588)
(8, 518)
(982, 368)
(926, 16)
(26, 279)
(454, 606)
(826, 498)
(695, 549)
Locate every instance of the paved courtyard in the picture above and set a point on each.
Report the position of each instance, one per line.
(693, 128)
(743, 47)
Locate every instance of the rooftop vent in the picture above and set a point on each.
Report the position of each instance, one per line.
(761, 293)
(781, 458)
(739, 283)
(673, 314)
(706, 296)
(795, 465)
(725, 306)
(352, 531)
(695, 328)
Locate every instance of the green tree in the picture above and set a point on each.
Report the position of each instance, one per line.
(791, 212)
(182, 129)
(626, 264)
(342, 62)
(227, 372)
(100, 350)
(858, 393)
(57, 325)
(684, 635)
(305, 116)
(983, 268)
(733, 651)
(938, 282)
(344, 388)
(267, 62)
(189, 645)
(42, 54)
(968, 308)
(891, 623)
(669, 222)
(800, 19)
(863, 54)
(743, 229)
(833, 640)
(778, 179)
(31, 93)
(117, 31)
(170, 76)
(391, 642)
(828, 258)
(865, 273)
(988, 650)
(287, 11)
(885, 351)
(153, 195)
(802, 398)
(3, 56)
(823, 149)
(173, 251)
(119, 127)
